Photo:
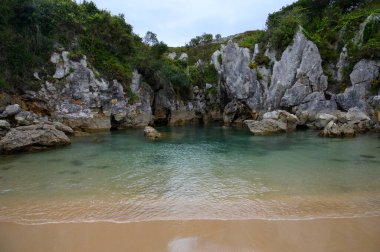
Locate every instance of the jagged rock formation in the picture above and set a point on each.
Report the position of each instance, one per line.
(296, 75)
(364, 72)
(296, 83)
(78, 98)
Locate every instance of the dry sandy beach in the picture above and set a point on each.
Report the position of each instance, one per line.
(345, 234)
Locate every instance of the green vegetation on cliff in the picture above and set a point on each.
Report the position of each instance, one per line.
(331, 24)
(30, 30)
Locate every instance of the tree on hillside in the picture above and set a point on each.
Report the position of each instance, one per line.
(150, 38)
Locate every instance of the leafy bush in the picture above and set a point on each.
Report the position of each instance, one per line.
(252, 65)
(250, 38)
(261, 59)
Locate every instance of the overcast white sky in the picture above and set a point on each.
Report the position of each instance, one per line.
(177, 21)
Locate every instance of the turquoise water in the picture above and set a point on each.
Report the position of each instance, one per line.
(193, 173)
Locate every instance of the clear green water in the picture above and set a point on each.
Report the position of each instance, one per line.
(193, 173)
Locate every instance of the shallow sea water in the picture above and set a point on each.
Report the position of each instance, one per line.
(193, 173)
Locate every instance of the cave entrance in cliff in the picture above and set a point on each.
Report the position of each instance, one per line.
(115, 125)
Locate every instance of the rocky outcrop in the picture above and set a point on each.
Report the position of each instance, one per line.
(151, 133)
(344, 123)
(273, 122)
(333, 129)
(297, 80)
(363, 74)
(239, 79)
(300, 64)
(85, 102)
(33, 137)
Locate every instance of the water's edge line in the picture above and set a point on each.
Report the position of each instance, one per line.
(188, 220)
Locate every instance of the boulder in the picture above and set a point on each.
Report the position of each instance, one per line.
(10, 110)
(356, 115)
(172, 55)
(183, 57)
(66, 129)
(266, 127)
(25, 118)
(273, 122)
(322, 119)
(4, 127)
(151, 133)
(333, 129)
(32, 137)
(288, 119)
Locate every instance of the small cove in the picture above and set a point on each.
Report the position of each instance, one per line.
(193, 173)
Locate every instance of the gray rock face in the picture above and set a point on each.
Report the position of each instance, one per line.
(364, 72)
(316, 102)
(85, 102)
(32, 137)
(353, 97)
(139, 111)
(239, 79)
(295, 95)
(230, 112)
(10, 110)
(300, 63)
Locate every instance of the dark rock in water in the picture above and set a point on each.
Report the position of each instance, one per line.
(77, 162)
(102, 167)
(32, 137)
(338, 160)
(367, 156)
(55, 160)
(7, 167)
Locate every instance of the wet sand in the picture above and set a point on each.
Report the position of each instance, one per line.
(322, 235)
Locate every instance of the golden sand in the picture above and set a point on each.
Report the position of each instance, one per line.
(319, 235)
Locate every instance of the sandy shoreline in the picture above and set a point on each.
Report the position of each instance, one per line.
(342, 234)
